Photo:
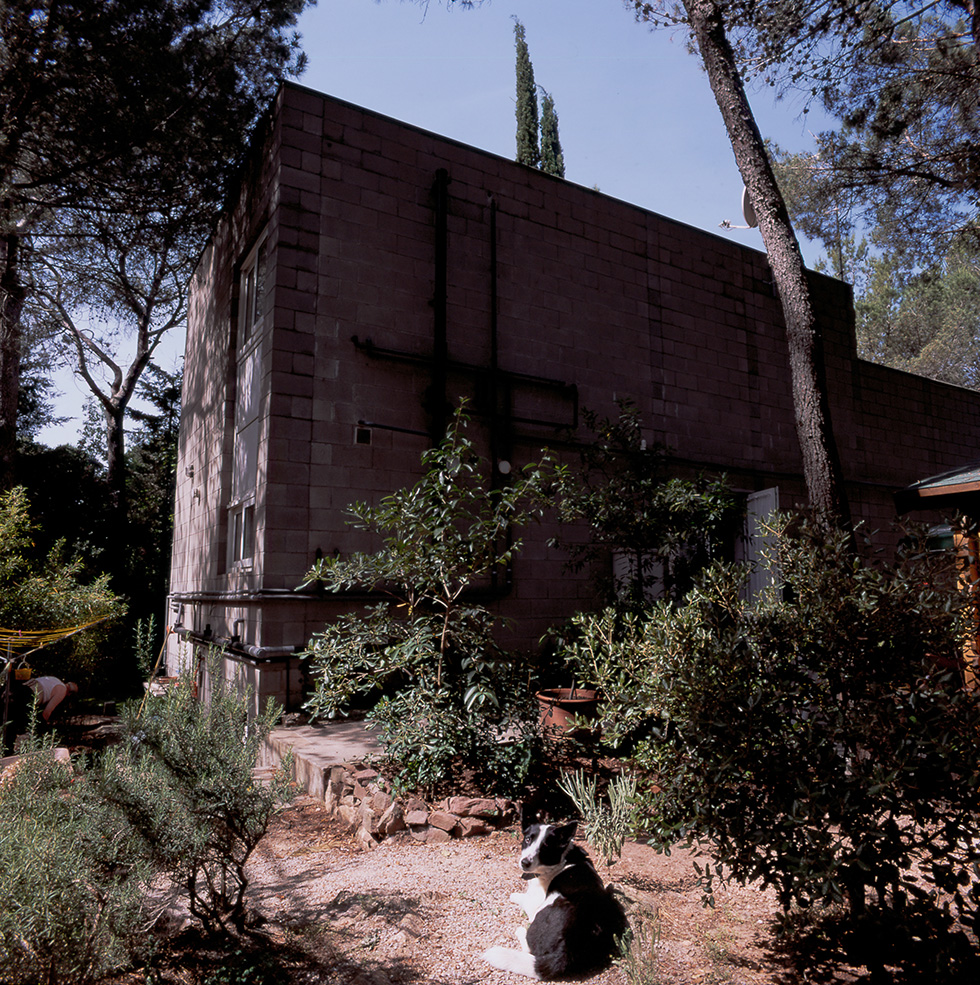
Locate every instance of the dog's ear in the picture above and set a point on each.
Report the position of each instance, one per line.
(530, 810)
(566, 832)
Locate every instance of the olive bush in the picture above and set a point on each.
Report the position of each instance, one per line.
(819, 739)
(665, 527)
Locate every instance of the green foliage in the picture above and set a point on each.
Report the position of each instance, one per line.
(900, 79)
(536, 151)
(819, 739)
(666, 528)
(82, 843)
(246, 967)
(639, 959)
(528, 150)
(916, 309)
(457, 690)
(552, 158)
(182, 778)
(606, 827)
(49, 593)
(144, 637)
(151, 477)
(73, 885)
(923, 321)
(68, 502)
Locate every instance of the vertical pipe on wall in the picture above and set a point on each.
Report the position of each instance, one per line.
(499, 403)
(440, 344)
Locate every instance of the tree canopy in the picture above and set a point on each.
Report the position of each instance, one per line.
(122, 111)
(901, 79)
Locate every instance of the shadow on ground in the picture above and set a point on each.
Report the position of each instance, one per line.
(918, 945)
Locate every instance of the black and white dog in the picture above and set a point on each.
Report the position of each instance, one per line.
(575, 919)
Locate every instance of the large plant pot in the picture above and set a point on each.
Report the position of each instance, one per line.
(560, 706)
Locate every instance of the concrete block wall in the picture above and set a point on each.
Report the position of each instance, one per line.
(580, 289)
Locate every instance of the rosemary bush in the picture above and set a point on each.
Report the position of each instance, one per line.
(73, 880)
(607, 826)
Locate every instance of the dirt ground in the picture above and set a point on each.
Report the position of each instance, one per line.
(322, 910)
(410, 913)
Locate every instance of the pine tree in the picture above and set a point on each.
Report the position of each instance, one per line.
(552, 159)
(528, 151)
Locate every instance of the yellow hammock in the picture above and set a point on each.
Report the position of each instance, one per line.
(24, 642)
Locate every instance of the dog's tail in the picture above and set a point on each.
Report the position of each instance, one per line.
(509, 959)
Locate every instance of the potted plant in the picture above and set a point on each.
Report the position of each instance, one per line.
(579, 646)
(562, 708)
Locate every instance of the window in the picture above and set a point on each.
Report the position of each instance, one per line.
(241, 523)
(248, 404)
(757, 543)
(251, 292)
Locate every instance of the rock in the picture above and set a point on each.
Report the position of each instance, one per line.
(334, 788)
(469, 827)
(380, 802)
(416, 819)
(365, 839)
(369, 820)
(413, 925)
(436, 836)
(392, 820)
(472, 806)
(349, 816)
(253, 918)
(443, 820)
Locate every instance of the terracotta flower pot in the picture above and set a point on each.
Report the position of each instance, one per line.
(560, 706)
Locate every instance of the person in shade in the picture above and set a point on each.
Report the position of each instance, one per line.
(49, 694)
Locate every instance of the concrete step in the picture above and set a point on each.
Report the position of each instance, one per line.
(316, 750)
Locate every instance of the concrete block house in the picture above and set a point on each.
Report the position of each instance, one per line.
(368, 274)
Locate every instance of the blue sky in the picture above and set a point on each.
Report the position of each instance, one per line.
(636, 114)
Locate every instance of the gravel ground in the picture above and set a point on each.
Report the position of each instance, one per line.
(415, 913)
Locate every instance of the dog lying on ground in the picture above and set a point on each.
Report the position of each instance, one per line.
(575, 919)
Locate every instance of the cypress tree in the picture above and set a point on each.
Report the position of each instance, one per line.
(552, 159)
(528, 151)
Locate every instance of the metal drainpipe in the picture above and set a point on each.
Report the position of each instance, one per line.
(500, 443)
(440, 343)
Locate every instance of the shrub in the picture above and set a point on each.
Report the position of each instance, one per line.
(665, 528)
(820, 740)
(447, 690)
(73, 882)
(49, 593)
(182, 777)
(606, 827)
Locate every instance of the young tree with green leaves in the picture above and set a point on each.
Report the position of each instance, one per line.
(457, 689)
(665, 528)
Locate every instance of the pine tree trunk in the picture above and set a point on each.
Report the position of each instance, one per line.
(821, 463)
(12, 295)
